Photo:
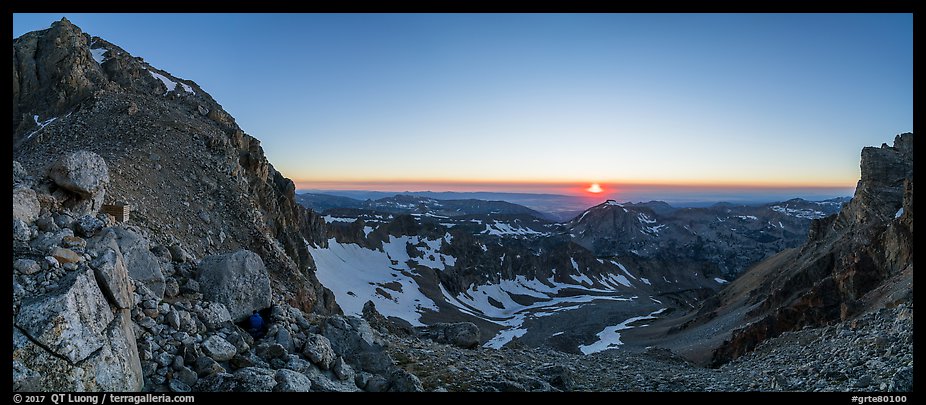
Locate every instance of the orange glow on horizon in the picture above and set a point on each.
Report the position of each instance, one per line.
(473, 184)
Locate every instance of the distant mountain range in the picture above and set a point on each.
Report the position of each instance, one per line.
(554, 207)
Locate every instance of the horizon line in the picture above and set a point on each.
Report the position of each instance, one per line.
(468, 185)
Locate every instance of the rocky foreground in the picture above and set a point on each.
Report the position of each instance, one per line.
(872, 353)
(99, 306)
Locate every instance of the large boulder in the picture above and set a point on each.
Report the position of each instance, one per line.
(142, 265)
(238, 280)
(460, 334)
(113, 278)
(70, 321)
(69, 340)
(25, 205)
(318, 349)
(352, 338)
(83, 173)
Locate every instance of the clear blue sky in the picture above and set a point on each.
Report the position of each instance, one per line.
(440, 101)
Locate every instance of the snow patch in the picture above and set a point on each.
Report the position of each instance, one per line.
(170, 84)
(610, 337)
(720, 280)
(798, 212)
(643, 218)
(356, 275)
(40, 124)
(504, 337)
(98, 54)
(329, 219)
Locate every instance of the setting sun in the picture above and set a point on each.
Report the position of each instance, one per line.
(594, 188)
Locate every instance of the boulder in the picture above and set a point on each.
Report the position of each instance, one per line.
(460, 334)
(140, 263)
(403, 381)
(205, 366)
(248, 379)
(318, 349)
(113, 278)
(26, 206)
(84, 173)
(117, 367)
(21, 231)
(70, 321)
(69, 340)
(342, 370)
(218, 348)
(352, 338)
(87, 226)
(26, 266)
(285, 339)
(268, 351)
(178, 253)
(239, 280)
(291, 381)
(215, 315)
(65, 255)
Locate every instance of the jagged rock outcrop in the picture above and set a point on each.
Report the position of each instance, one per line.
(237, 280)
(169, 147)
(856, 261)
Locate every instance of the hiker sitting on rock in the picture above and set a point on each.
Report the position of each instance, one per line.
(257, 325)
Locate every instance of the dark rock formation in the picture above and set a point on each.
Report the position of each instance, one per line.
(854, 262)
(170, 148)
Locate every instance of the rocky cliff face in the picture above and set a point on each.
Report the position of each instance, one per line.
(856, 261)
(191, 175)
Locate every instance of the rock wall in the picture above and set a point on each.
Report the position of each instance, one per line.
(868, 246)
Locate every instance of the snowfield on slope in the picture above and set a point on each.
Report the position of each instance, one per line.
(356, 275)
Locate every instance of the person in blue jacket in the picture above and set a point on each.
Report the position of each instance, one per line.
(257, 325)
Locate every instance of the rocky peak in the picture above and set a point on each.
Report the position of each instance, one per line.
(879, 193)
(52, 71)
(170, 149)
(854, 262)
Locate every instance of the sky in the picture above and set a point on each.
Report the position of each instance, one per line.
(543, 102)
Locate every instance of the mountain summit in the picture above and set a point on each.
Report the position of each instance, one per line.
(73, 91)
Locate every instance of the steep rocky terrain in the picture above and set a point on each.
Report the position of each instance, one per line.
(214, 233)
(858, 260)
(190, 174)
(872, 353)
